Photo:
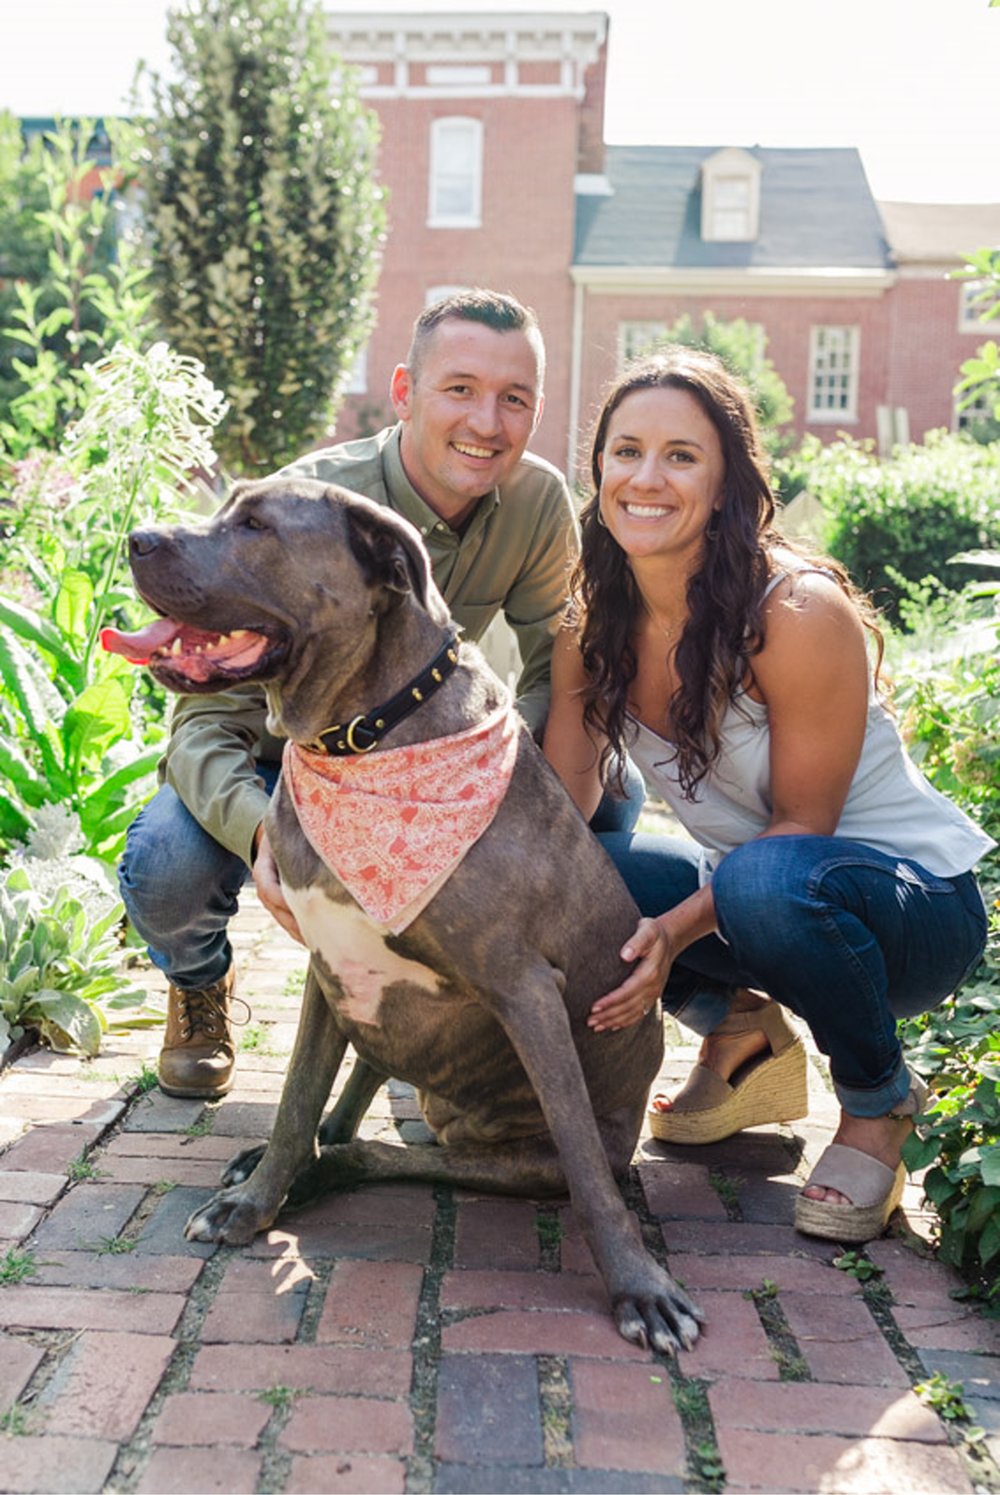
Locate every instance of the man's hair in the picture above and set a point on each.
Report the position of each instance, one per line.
(490, 308)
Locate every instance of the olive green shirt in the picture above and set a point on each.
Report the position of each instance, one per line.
(513, 556)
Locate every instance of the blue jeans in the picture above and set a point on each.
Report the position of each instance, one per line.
(846, 937)
(180, 887)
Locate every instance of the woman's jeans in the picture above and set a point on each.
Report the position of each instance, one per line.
(846, 937)
(181, 887)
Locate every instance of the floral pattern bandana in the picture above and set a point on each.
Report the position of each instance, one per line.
(394, 825)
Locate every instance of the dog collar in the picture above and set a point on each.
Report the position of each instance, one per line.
(366, 732)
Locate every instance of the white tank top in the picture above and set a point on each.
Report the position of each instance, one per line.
(890, 805)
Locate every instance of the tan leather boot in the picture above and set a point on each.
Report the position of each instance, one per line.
(198, 1058)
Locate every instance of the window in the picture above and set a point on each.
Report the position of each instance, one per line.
(971, 313)
(978, 417)
(731, 208)
(357, 375)
(730, 197)
(638, 338)
(833, 373)
(456, 173)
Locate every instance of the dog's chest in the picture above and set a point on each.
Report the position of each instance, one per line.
(355, 951)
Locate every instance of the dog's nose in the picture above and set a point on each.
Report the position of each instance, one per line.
(142, 542)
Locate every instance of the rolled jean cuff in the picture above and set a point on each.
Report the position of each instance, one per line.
(701, 1010)
(869, 1103)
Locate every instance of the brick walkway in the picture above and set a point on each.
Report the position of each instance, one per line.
(400, 1338)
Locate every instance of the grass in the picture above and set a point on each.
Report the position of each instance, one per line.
(16, 1265)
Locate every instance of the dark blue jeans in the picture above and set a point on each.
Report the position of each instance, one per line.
(846, 937)
(181, 887)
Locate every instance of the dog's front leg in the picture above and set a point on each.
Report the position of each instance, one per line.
(649, 1307)
(235, 1215)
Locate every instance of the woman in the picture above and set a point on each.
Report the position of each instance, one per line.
(824, 871)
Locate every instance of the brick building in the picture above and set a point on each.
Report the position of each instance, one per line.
(494, 157)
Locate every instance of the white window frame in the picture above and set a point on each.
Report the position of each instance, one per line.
(636, 336)
(970, 317)
(827, 363)
(441, 177)
(980, 409)
(357, 374)
(723, 222)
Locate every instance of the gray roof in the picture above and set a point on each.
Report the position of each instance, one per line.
(939, 233)
(816, 209)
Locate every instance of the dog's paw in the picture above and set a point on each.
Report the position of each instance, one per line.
(240, 1167)
(657, 1315)
(231, 1218)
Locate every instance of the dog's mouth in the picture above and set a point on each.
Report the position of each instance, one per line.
(186, 658)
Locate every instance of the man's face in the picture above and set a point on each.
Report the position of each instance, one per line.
(469, 413)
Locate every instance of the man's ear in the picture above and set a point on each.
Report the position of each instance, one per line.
(538, 414)
(401, 391)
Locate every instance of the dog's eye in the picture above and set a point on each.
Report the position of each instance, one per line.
(251, 521)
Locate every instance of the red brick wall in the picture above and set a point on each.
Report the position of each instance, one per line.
(524, 245)
(787, 321)
(927, 349)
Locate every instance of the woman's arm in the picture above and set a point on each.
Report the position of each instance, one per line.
(568, 745)
(812, 674)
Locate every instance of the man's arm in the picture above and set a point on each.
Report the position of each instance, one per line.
(209, 763)
(536, 605)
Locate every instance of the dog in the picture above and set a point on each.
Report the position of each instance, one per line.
(481, 999)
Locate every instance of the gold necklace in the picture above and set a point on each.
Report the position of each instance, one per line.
(669, 632)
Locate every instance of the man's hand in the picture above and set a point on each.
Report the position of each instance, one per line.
(630, 1002)
(268, 885)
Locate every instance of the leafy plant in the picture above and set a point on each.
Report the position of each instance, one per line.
(946, 1397)
(263, 217)
(16, 1265)
(71, 287)
(904, 518)
(981, 373)
(59, 970)
(857, 1265)
(70, 730)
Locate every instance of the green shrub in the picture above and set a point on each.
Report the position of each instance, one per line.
(950, 701)
(901, 519)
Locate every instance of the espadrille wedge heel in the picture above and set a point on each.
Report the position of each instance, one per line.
(769, 1088)
(873, 1188)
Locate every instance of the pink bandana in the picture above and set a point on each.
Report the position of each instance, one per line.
(394, 826)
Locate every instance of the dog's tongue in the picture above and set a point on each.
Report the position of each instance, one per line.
(137, 647)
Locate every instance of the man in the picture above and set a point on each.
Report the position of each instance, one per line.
(501, 532)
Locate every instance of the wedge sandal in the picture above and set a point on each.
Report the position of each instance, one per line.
(771, 1087)
(873, 1188)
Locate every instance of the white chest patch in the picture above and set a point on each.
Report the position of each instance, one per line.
(355, 951)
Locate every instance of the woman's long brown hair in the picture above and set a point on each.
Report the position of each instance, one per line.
(725, 597)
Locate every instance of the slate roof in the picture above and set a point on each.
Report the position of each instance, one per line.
(816, 210)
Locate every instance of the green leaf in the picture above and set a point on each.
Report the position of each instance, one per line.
(989, 1163)
(30, 626)
(919, 1152)
(97, 718)
(65, 1021)
(73, 603)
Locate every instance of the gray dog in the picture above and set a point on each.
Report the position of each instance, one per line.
(481, 1000)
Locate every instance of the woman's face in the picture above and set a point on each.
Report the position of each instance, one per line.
(662, 474)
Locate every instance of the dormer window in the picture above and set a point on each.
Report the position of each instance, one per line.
(730, 197)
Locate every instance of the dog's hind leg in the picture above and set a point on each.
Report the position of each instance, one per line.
(236, 1214)
(357, 1095)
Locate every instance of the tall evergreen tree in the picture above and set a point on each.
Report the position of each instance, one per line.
(264, 217)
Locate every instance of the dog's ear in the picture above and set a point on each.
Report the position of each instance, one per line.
(389, 551)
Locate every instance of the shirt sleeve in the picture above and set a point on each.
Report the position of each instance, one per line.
(535, 606)
(209, 763)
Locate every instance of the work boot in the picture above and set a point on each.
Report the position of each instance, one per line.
(197, 1059)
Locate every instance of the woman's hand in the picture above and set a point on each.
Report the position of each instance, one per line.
(630, 1002)
(268, 885)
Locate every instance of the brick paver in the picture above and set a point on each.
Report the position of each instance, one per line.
(401, 1338)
